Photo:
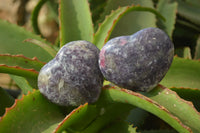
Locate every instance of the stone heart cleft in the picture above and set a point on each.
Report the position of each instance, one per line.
(73, 77)
(137, 62)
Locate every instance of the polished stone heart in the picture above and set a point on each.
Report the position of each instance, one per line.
(137, 62)
(73, 77)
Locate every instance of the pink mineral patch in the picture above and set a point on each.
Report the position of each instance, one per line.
(123, 42)
(102, 58)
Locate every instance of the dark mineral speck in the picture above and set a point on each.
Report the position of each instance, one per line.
(137, 62)
(73, 77)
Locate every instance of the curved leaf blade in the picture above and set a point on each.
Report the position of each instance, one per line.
(197, 49)
(21, 61)
(105, 29)
(23, 84)
(183, 73)
(112, 104)
(189, 12)
(29, 73)
(5, 101)
(34, 16)
(11, 42)
(168, 10)
(75, 21)
(95, 117)
(46, 47)
(184, 110)
(119, 127)
(189, 95)
(158, 131)
(136, 99)
(133, 21)
(43, 115)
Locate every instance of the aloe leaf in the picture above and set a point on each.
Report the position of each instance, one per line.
(168, 10)
(187, 53)
(188, 24)
(16, 70)
(183, 52)
(193, 2)
(133, 98)
(137, 117)
(5, 101)
(105, 29)
(183, 73)
(189, 12)
(11, 42)
(180, 108)
(158, 131)
(189, 95)
(102, 113)
(46, 47)
(75, 21)
(119, 127)
(197, 50)
(34, 16)
(43, 114)
(133, 21)
(29, 65)
(114, 103)
(22, 61)
(23, 84)
(30, 75)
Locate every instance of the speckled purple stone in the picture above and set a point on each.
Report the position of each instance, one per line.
(73, 77)
(137, 62)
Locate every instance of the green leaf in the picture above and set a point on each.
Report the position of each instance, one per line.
(5, 101)
(158, 131)
(23, 84)
(112, 104)
(75, 21)
(187, 53)
(25, 64)
(180, 108)
(97, 8)
(30, 75)
(133, 21)
(46, 47)
(35, 14)
(183, 73)
(197, 50)
(105, 29)
(189, 95)
(21, 61)
(168, 10)
(137, 117)
(119, 127)
(16, 70)
(33, 114)
(94, 116)
(11, 42)
(187, 24)
(183, 52)
(189, 12)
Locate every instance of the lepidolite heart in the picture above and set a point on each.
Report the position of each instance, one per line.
(137, 62)
(73, 77)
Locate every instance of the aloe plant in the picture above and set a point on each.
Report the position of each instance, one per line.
(172, 106)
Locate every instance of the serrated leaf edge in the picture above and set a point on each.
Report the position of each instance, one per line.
(68, 116)
(44, 40)
(24, 57)
(155, 103)
(33, 71)
(7, 110)
(126, 9)
(178, 97)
